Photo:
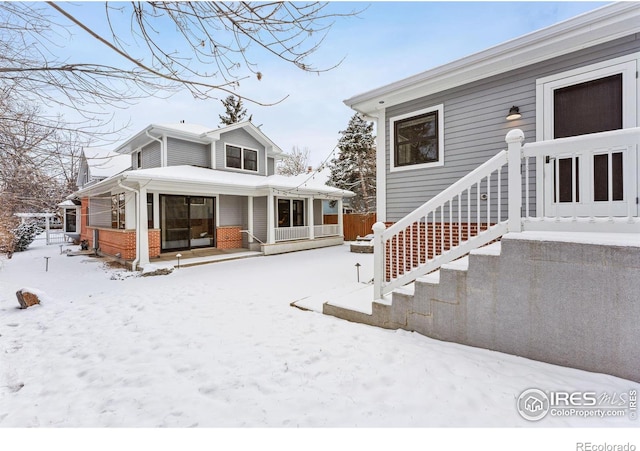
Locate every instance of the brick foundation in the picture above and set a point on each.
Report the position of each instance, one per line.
(229, 237)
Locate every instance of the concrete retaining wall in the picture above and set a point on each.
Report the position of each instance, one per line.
(566, 303)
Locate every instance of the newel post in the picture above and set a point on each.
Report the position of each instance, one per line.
(514, 157)
(378, 259)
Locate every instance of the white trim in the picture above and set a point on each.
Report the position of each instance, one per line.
(440, 110)
(164, 158)
(212, 151)
(381, 167)
(242, 149)
(626, 65)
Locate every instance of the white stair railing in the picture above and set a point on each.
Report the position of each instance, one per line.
(470, 213)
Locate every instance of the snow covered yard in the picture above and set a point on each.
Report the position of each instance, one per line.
(219, 345)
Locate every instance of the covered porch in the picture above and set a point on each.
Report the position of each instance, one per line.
(142, 215)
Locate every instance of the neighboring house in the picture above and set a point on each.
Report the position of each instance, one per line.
(447, 186)
(192, 187)
(96, 164)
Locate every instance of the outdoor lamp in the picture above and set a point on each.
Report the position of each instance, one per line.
(514, 113)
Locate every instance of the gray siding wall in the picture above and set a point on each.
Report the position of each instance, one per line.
(83, 176)
(243, 139)
(271, 166)
(151, 156)
(100, 211)
(317, 212)
(180, 152)
(260, 218)
(232, 210)
(475, 125)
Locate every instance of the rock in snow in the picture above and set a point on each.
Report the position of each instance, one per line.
(27, 298)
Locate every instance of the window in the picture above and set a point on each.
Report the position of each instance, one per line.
(139, 159)
(417, 139)
(150, 210)
(70, 220)
(117, 211)
(250, 160)
(234, 157)
(241, 158)
(290, 212)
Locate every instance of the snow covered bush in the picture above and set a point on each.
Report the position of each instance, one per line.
(24, 235)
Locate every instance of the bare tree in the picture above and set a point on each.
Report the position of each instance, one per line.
(208, 51)
(294, 163)
(38, 158)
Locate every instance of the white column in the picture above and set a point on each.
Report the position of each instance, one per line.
(310, 219)
(340, 226)
(250, 218)
(142, 231)
(514, 157)
(378, 259)
(271, 232)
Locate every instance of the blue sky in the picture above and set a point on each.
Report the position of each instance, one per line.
(386, 42)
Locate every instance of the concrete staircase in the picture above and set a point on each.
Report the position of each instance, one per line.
(567, 299)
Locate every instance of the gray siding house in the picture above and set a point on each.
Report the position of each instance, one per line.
(462, 106)
(189, 187)
(508, 187)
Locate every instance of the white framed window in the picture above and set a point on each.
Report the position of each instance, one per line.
(549, 90)
(417, 139)
(238, 157)
(290, 212)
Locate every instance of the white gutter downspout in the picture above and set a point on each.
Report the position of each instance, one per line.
(163, 157)
(134, 264)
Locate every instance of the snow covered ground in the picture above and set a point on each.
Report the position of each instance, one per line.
(219, 345)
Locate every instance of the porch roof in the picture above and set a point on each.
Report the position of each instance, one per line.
(198, 180)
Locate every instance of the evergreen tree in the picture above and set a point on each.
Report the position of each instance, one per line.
(355, 167)
(234, 111)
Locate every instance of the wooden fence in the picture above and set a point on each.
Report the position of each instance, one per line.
(354, 224)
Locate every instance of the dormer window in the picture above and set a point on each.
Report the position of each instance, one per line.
(241, 158)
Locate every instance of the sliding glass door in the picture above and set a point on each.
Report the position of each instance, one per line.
(187, 222)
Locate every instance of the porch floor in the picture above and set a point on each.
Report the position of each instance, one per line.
(203, 256)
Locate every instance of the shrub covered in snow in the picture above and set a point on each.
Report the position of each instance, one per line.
(24, 235)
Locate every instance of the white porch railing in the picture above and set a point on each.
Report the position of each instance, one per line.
(292, 233)
(612, 203)
(326, 230)
(489, 201)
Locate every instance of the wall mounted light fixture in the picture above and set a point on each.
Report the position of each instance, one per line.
(514, 113)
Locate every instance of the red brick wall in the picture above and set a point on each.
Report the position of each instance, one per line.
(228, 237)
(154, 243)
(420, 242)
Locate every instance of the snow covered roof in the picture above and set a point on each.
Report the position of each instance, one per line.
(595, 27)
(192, 179)
(195, 132)
(68, 203)
(300, 184)
(105, 163)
